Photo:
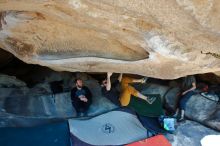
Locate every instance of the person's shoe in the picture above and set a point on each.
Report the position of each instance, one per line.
(182, 116)
(176, 114)
(151, 99)
(181, 119)
(145, 79)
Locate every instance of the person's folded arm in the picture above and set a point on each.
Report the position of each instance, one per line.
(192, 88)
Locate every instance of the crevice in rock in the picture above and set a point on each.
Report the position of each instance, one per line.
(5, 58)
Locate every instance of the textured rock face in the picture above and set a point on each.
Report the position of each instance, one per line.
(189, 133)
(19, 101)
(204, 111)
(156, 38)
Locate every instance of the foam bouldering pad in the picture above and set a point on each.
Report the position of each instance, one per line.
(158, 140)
(143, 108)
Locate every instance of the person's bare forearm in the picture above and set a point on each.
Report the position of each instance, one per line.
(108, 87)
(190, 89)
(141, 96)
(120, 77)
(193, 88)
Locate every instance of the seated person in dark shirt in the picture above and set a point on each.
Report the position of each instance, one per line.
(109, 90)
(81, 97)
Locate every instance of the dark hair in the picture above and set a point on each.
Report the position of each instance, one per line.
(77, 79)
(101, 80)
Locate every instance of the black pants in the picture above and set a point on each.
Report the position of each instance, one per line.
(81, 106)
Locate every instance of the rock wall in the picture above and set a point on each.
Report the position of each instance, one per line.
(19, 101)
(156, 38)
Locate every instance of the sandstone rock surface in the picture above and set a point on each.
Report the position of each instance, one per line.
(158, 38)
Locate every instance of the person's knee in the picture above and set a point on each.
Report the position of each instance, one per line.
(132, 91)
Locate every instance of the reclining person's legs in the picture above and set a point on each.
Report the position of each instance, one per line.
(126, 95)
(183, 102)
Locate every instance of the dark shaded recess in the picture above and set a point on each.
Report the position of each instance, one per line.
(31, 74)
(5, 58)
(209, 78)
(26, 72)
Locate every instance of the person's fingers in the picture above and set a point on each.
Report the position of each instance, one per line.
(109, 73)
(85, 99)
(143, 80)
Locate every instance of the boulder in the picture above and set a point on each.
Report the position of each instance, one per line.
(156, 38)
(172, 98)
(203, 110)
(10, 81)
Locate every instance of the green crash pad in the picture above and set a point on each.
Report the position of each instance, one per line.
(143, 108)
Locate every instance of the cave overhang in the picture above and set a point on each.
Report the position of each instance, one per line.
(129, 37)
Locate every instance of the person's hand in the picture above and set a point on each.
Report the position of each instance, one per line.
(184, 93)
(85, 99)
(109, 74)
(81, 96)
